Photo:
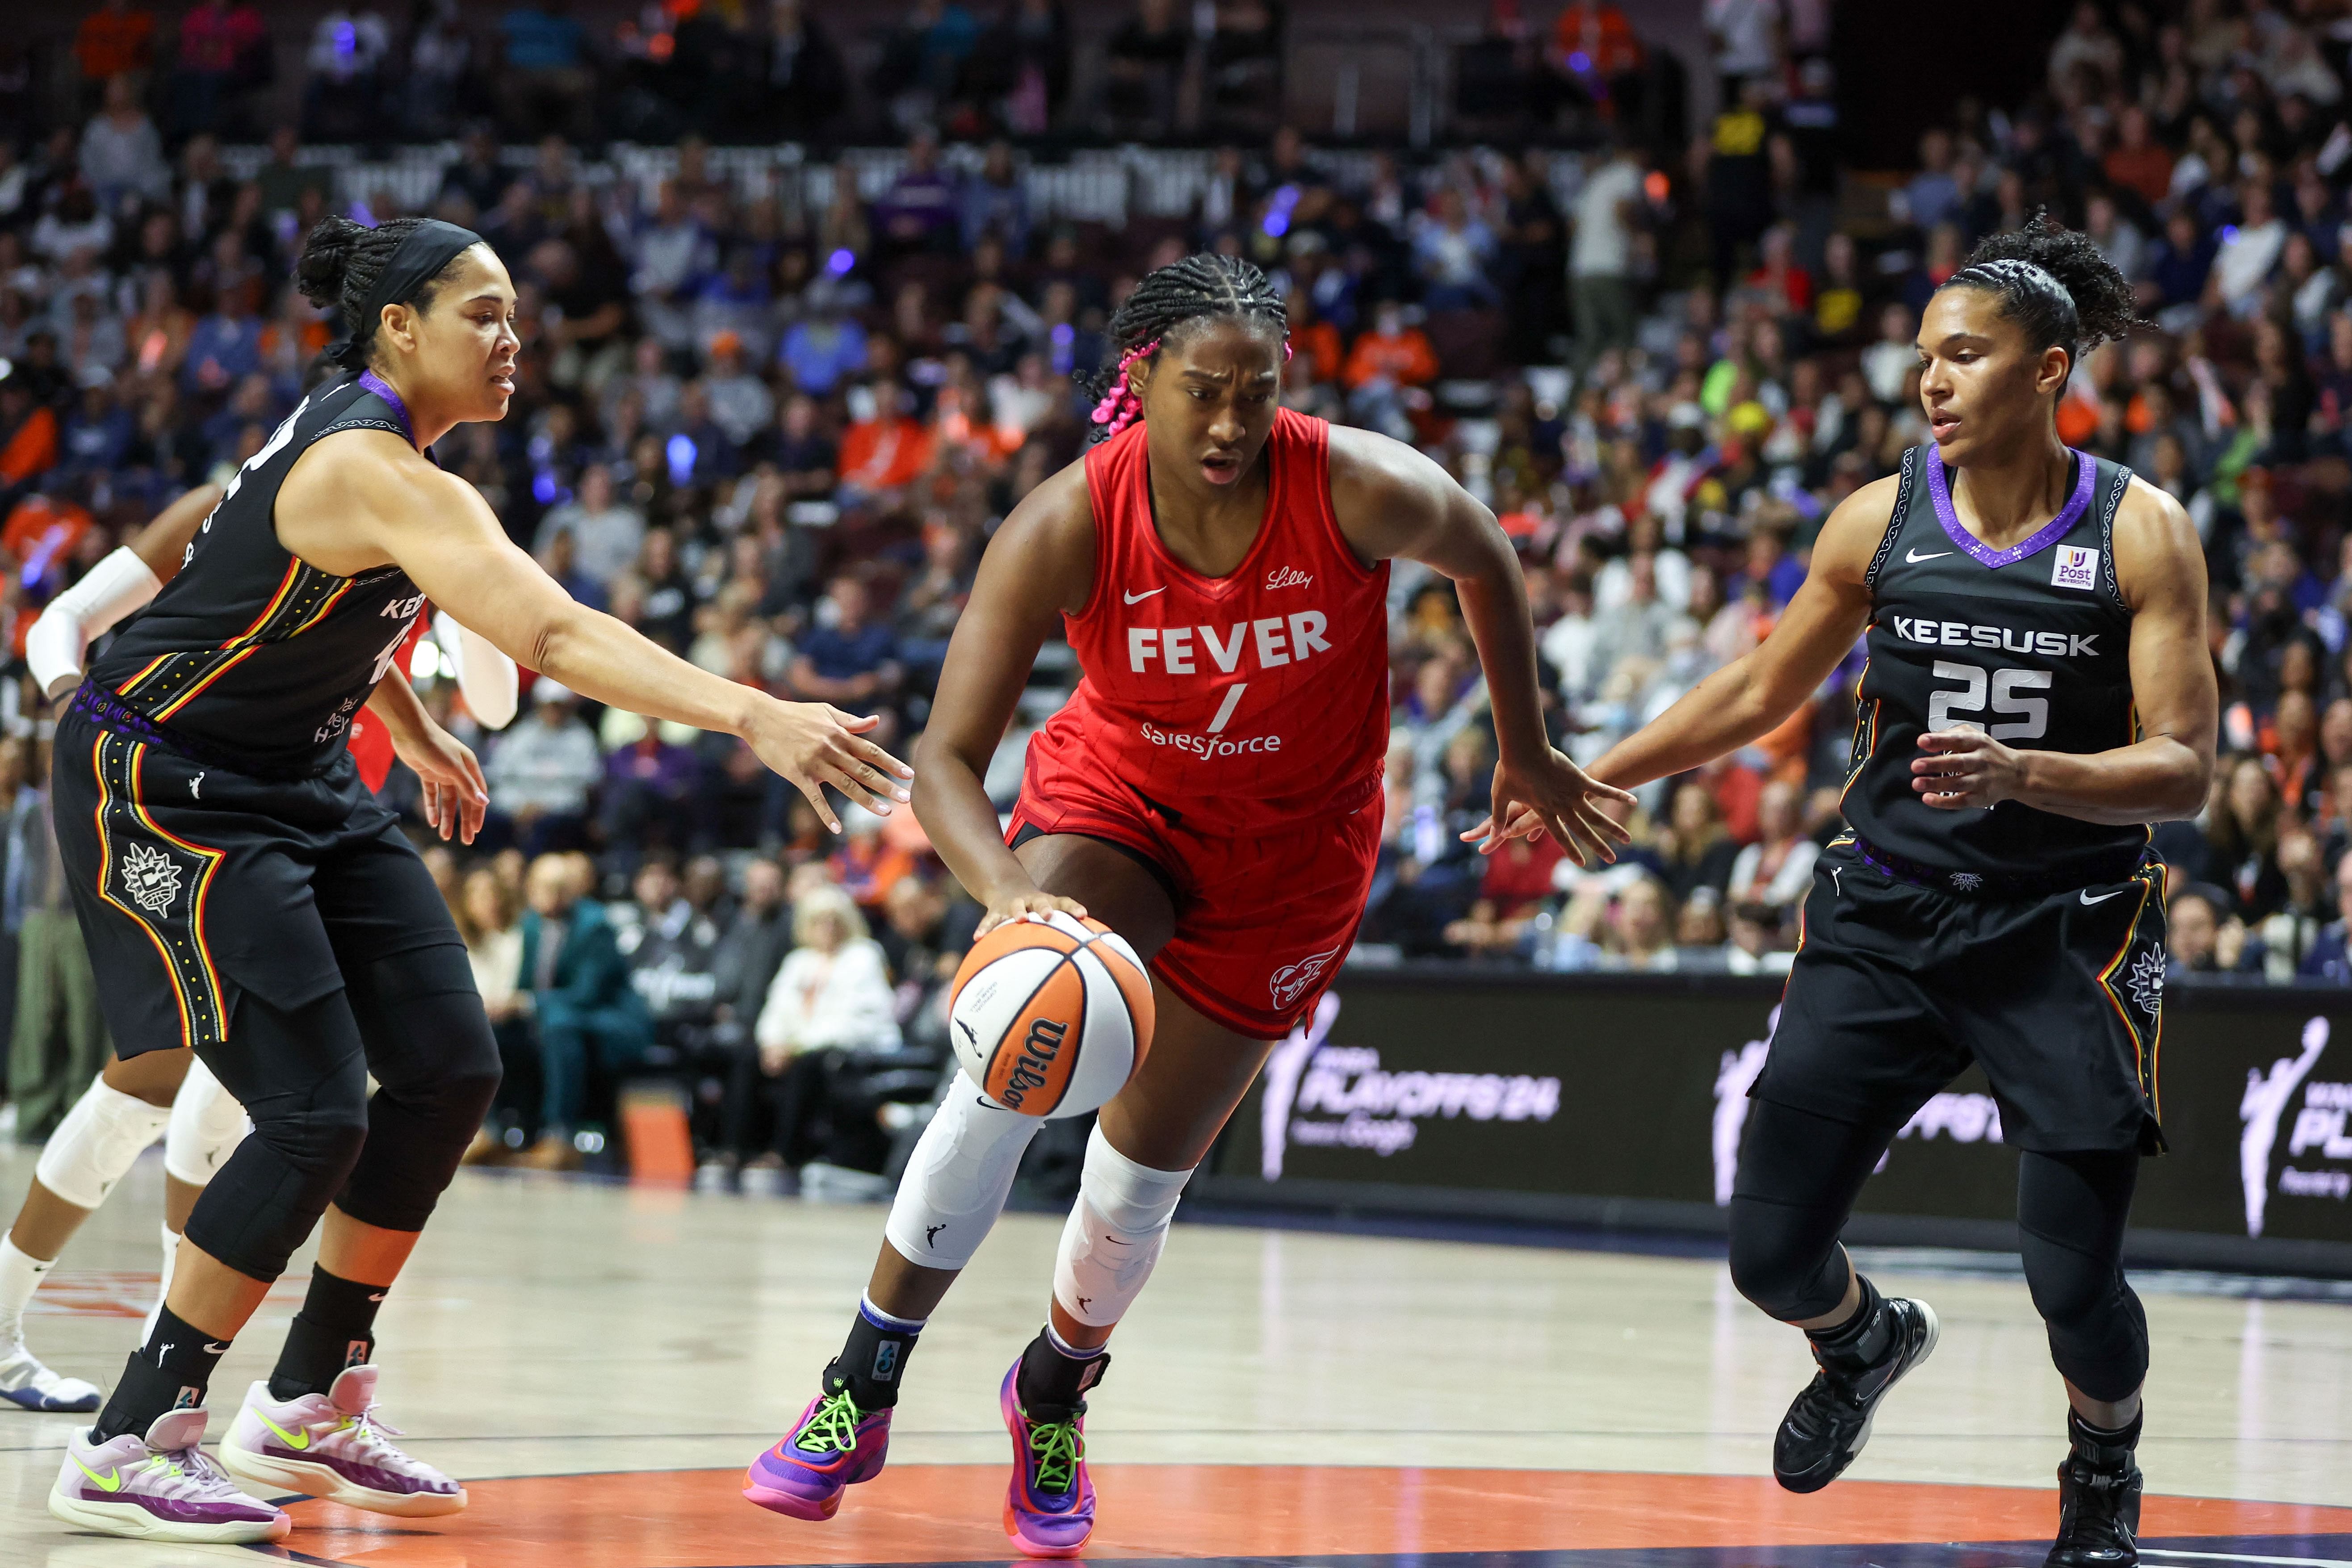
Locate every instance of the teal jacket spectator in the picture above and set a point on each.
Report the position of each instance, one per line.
(587, 1011)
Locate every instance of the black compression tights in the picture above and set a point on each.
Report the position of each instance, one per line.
(1799, 1175)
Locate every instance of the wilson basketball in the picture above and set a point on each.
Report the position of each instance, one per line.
(1051, 1014)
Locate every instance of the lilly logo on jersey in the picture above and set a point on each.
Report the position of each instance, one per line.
(2010, 640)
(1287, 577)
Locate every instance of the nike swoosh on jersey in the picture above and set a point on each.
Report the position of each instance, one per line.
(1914, 557)
(292, 1440)
(109, 1482)
(1139, 598)
(2102, 898)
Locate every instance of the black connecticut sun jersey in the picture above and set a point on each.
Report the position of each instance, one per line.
(250, 652)
(2030, 643)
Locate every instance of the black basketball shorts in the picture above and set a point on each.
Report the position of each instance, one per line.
(195, 882)
(1897, 987)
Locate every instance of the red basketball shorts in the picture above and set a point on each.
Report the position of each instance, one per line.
(1263, 917)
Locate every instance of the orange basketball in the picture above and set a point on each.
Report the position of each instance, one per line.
(1051, 1014)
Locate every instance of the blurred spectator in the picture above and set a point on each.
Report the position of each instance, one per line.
(1777, 870)
(488, 913)
(115, 40)
(590, 1019)
(830, 999)
(671, 942)
(547, 77)
(849, 659)
(1600, 254)
(540, 772)
(2242, 840)
(121, 154)
(608, 533)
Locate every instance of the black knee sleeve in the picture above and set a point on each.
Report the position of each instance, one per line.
(1798, 1174)
(436, 1061)
(302, 1077)
(2071, 1212)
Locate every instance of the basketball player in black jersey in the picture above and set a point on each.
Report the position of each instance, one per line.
(2039, 691)
(244, 893)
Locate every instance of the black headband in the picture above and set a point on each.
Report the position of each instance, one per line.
(423, 252)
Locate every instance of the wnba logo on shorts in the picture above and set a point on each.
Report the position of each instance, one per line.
(1293, 980)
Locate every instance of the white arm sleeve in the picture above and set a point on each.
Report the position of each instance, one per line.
(108, 592)
(486, 676)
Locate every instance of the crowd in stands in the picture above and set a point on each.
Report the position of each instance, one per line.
(775, 436)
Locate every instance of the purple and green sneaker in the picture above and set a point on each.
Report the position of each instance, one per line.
(1049, 1509)
(335, 1445)
(160, 1487)
(833, 1446)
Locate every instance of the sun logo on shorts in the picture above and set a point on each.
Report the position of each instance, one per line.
(2147, 981)
(149, 877)
(1967, 881)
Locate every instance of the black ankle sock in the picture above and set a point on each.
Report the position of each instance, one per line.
(1863, 1339)
(334, 1330)
(874, 1358)
(170, 1371)
(1052, 1382)
(2101, 1446)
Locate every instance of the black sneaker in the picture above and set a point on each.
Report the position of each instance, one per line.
(2098, 1505)
(1830, 1422)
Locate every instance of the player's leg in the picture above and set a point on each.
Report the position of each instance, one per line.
(1799, 1175)
(207, 1125)
(427, 1042)
(116, 1118)
(302, 1075)
(956, 1184)
(2071, 1213)
(1142, 1151)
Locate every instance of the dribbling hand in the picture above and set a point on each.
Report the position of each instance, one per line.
(1559, 798)
(1014, 906)
(814, 744)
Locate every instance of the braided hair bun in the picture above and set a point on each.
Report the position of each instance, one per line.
(1164, 307)
(2055, 283)
(340, 264)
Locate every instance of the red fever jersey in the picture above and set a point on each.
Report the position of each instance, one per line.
(1229, 732)
(1259, 698)
(371, 743)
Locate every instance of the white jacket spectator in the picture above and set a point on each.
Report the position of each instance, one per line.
(548, 766)
(2249, 252)
(120, 151)
(833, 989)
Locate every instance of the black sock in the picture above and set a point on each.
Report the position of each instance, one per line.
(2109, 1450)
(1053, 1379)
(170, 1371)
(334, 1330)
(874, 1359)
(1863, 1339)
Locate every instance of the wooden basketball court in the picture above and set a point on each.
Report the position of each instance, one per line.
(598, 1363)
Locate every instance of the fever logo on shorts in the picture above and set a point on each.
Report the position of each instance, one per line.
(1293, 980)
(149, 877)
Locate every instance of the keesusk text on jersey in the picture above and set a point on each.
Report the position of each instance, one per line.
(2008, 639)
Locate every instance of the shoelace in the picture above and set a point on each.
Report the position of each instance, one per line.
(831, 1427)
(188, 1473)
(371, 1433)
(1057, 1448)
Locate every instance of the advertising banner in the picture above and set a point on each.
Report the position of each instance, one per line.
(1622, 1099)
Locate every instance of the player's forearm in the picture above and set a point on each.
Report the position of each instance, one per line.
(395, 702)
(1720, 714)
(2159, 779)
(952, 805)
(606, 661)
(1495, 607)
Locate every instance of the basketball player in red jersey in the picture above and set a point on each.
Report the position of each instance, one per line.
(1211, 792)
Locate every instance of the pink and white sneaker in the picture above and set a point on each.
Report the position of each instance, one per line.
(160, 1487)
(334, 1445)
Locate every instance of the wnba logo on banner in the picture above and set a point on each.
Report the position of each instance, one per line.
(1341, 1097)
(2319, 1140)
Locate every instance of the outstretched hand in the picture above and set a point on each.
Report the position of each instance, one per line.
(456, 794)
(814, 744)
(1553, 796)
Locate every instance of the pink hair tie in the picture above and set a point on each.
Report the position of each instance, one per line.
(1120, 406)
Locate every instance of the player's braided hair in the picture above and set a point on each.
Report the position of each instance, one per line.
(2056, 284)
(1163, 306)
(341, 261)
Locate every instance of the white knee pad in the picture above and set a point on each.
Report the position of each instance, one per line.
(207, 1124)
(95, 1143)
(958, 1180)
(1115, 1233)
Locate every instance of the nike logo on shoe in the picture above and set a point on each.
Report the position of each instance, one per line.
(292, 1440)
(1915, 557)
(1139, 598)
(2102, 898)
(109, 1482)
